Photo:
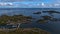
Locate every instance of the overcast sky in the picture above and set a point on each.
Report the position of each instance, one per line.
(30, 3)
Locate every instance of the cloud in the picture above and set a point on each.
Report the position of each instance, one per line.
(56, 4)
(31, 3)
(5, 4)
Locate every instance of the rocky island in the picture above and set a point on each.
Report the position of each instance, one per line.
(5, 19)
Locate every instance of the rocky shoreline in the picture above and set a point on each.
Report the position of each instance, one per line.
(26, 31)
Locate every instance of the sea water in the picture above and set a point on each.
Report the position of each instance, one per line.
(50, 26)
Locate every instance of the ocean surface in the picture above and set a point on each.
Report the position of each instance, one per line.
(53, 27)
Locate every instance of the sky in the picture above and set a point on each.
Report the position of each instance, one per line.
(29, 3)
